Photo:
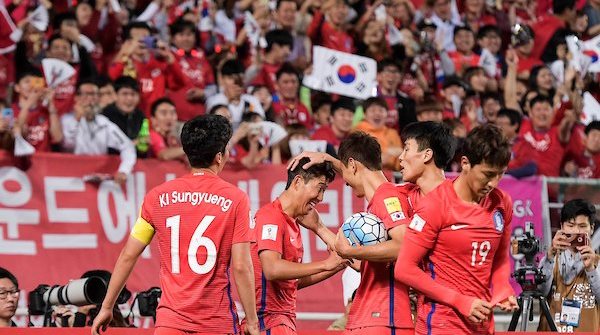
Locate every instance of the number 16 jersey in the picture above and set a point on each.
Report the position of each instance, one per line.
(196, 219)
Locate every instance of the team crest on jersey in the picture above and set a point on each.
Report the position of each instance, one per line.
(498, 221)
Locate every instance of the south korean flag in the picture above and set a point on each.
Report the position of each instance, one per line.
(342, 73)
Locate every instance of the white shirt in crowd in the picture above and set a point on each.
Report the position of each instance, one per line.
(95, 137)
(248, 103)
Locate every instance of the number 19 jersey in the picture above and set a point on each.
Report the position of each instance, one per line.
(196, 219)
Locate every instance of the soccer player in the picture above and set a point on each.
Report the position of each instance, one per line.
(203, 228)
(463, 227)
(381, 304)
(277, 253)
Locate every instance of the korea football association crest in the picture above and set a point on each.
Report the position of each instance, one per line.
(498, 221)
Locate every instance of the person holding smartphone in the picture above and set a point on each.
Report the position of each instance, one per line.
(572, 284)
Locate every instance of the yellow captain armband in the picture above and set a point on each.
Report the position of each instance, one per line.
(142, 231)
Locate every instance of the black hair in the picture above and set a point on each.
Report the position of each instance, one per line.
(594, 125)
(435, 136)
(343, 102)
(488, 28)
(280, 37)
(231, 67)
(513, 116)
(30, 72)
(86, 81)
(489, 95)
(324, 169)
(363, 148)
(574, 208)
(374, 101)
(540, 98)
(135, 25)
(126, 82)
(279, 2)
(458, 29)
(287, 68)
(55, 37)
(319, 100)
(158, 102)
(385, 63)
(182, 25)
(560, 6)
(103, 80)
(62, 17)
(203, 137)
(486, 144)
(4, 273)
(215, 108)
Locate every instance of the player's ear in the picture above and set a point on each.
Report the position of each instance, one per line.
(353, 165)
(465, 164)
(219, 158)
(428, 155)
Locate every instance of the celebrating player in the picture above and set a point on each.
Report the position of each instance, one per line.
(203, 228)
(463, 226)
(381, 304)
(277, 254)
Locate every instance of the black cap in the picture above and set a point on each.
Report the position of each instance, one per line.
(453, 81)
(426, 23)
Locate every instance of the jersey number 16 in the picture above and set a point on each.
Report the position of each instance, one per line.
(196, 242)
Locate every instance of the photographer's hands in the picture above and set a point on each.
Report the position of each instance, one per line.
(559, 243)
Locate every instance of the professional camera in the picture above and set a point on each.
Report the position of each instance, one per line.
(527, 244)
(148, 301)
(78, 292)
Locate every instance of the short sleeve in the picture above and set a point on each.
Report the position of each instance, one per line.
(147, 205)
(426, 223)
(391, 207)
(269, 231)
(242, 231)
(157, 143)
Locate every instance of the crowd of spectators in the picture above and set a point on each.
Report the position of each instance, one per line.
(143, 68)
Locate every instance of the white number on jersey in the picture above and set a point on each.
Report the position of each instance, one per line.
(483, 248)
(196, 242)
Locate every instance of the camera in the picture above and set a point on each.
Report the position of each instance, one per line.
(578, 240)
(148, 301)
(151, 42)
(520, 35)
(80, 292)
(527, 244)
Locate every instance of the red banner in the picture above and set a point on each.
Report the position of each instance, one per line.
(54, 226)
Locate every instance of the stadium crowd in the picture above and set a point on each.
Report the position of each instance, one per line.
(143, 68)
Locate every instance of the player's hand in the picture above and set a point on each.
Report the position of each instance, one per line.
(335, 263)
(588, 256)
(559, 243)
(509, 304)
(315, 158)
(251, 328)
(310, 221)
(120, 178)
(102, 320)
(480, 310)
(342, 246)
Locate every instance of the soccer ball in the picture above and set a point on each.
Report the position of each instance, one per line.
(364, 229)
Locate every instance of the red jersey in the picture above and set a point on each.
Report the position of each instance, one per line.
(544, 29)
(197, 218)
(588, 165)
(467, 244)
(159, 143)
(267, 76)
(294, 112)
(154, 77)
(199, 74)
(462, 62)
(64, 93)
(276, 299)
(320, 30)
(381, 300)
(38, 127)
(327, 134)
(545, 149)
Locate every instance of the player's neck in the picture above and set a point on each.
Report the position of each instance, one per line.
(288, 204)
(202, 171)
(431, 178)
(372, 181)
(463, 191)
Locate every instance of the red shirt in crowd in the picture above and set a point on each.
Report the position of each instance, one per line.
(544, 30)
(267, 76)
(327, 134)
(199, 73)
(462, 62)
(544, 148)
(381, 300)
(276, 299)
(154, 77)
(64, 93)
(467, 255)
(38, 127)
(159, 143)
(197, 218)
(293, 112)
(328, 36)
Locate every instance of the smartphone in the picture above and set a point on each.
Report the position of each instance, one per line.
(578, 240)
(151, 42)
(8, 113)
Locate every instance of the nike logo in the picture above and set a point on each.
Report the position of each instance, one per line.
(458, 226)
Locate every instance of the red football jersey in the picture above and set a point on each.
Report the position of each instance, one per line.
(38, 127)
(294, 112)
(267, 76)
(466, 243)
(197, 218)
(327, 134)
(545, 149)
(276, 299)
(381, 300)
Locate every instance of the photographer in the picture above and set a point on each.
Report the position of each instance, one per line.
(9, 298)
(572, 284)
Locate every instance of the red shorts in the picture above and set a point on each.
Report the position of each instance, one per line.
(172, 331)
(279, 330)
(379, 331)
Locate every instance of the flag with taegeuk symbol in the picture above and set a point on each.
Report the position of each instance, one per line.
(342, 73)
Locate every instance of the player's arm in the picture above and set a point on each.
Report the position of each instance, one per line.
(502, 291)
(276, 268)
(315, 158)
(319, 277)
(243, 272)
(386, 251)
(140, 237)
